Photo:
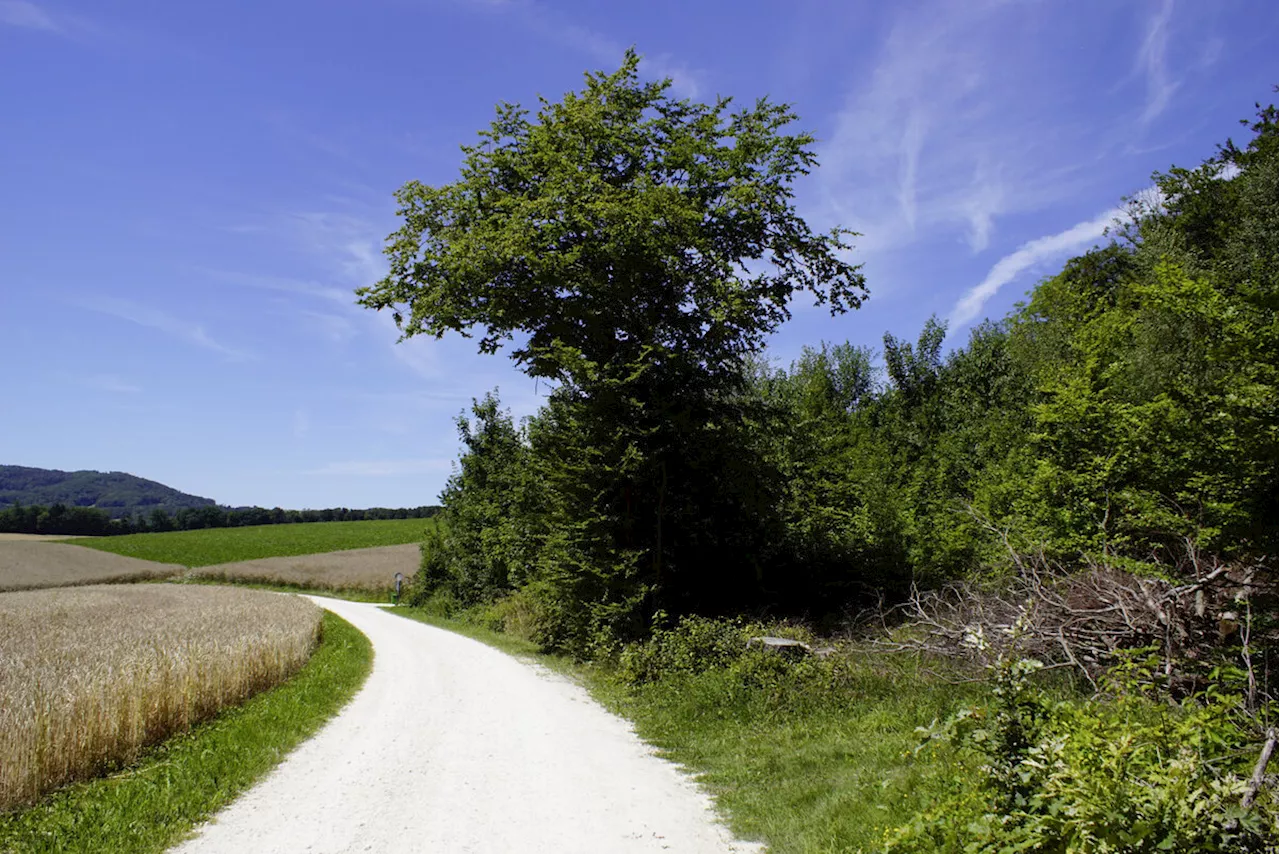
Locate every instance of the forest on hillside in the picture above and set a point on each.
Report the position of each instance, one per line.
(94, 504)
(60, 518)
(117, 493)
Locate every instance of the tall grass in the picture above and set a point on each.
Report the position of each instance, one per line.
(227, 545)
(90, 676)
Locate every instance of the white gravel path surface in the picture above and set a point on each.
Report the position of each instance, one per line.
(454, 747)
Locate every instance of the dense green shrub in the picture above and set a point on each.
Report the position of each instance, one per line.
(1117, 775)
(694, 645)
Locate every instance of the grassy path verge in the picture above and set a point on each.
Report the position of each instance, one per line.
(154, 803)
(805, 775)
(807, 762)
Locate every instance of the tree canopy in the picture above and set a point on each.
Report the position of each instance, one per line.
(620, 229)
(636, 249)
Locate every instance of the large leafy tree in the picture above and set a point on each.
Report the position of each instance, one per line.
(620, 230)
(635, 249)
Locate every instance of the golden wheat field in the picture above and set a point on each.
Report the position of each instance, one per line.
(371, 570)
(31, 562)
(91, 675)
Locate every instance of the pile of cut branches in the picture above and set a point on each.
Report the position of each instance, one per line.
(1083, 619)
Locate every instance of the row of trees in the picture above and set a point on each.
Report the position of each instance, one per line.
(90, 521)
(636, 250)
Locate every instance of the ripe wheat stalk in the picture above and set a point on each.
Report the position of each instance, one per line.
(92, 675)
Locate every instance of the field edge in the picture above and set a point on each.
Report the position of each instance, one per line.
(212, 546)
(159, 800)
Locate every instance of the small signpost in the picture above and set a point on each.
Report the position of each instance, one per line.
(399, 581)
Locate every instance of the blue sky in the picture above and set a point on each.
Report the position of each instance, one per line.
(191, 191)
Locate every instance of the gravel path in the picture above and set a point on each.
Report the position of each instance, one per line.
(454, 747)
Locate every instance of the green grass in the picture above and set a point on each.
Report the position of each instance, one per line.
(519, 647)
(806, 775)
(211, 546)
(153, 804)
(807, 765)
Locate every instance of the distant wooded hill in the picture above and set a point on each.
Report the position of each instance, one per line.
(121, 495)
(91, 503)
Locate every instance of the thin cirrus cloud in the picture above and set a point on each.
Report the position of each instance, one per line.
(183, 330)
(349, 243)
(112, 383)
(285, 285)
(917, 146)
(1151, 63)
(19, 13)
(1055, 247)
(1029, 256)
(26, 15)
(334, 328)
(928, 144)
(555, 27)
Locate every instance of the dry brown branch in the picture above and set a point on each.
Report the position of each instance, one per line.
(1082, 619)
(1259, 770)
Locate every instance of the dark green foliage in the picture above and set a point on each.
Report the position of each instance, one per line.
(1120, 773)
(1155, 365)
(120, 495)
(1123, 419)
(1125, 415)
(60, 519)
(483, 548)
(885, 484)
(615, 232)
(91, 503)
(92, 522)
(636, 249)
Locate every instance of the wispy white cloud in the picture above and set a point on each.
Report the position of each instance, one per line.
(1030, 256)
(921, 144)
(334, 327)
(959, 123)
(352, 242)
(285, 284)
(20, 13)
(348, 242)
(112, 383)
(382, 468)
(183, 330)
(1210, 53)
(1151, 63)
(301, 424)
(420, 354)
(556, 27)
(27, 15)
(291, 128)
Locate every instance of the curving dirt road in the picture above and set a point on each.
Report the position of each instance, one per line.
(454, 747)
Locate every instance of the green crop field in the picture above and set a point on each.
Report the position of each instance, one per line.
(226, 545)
